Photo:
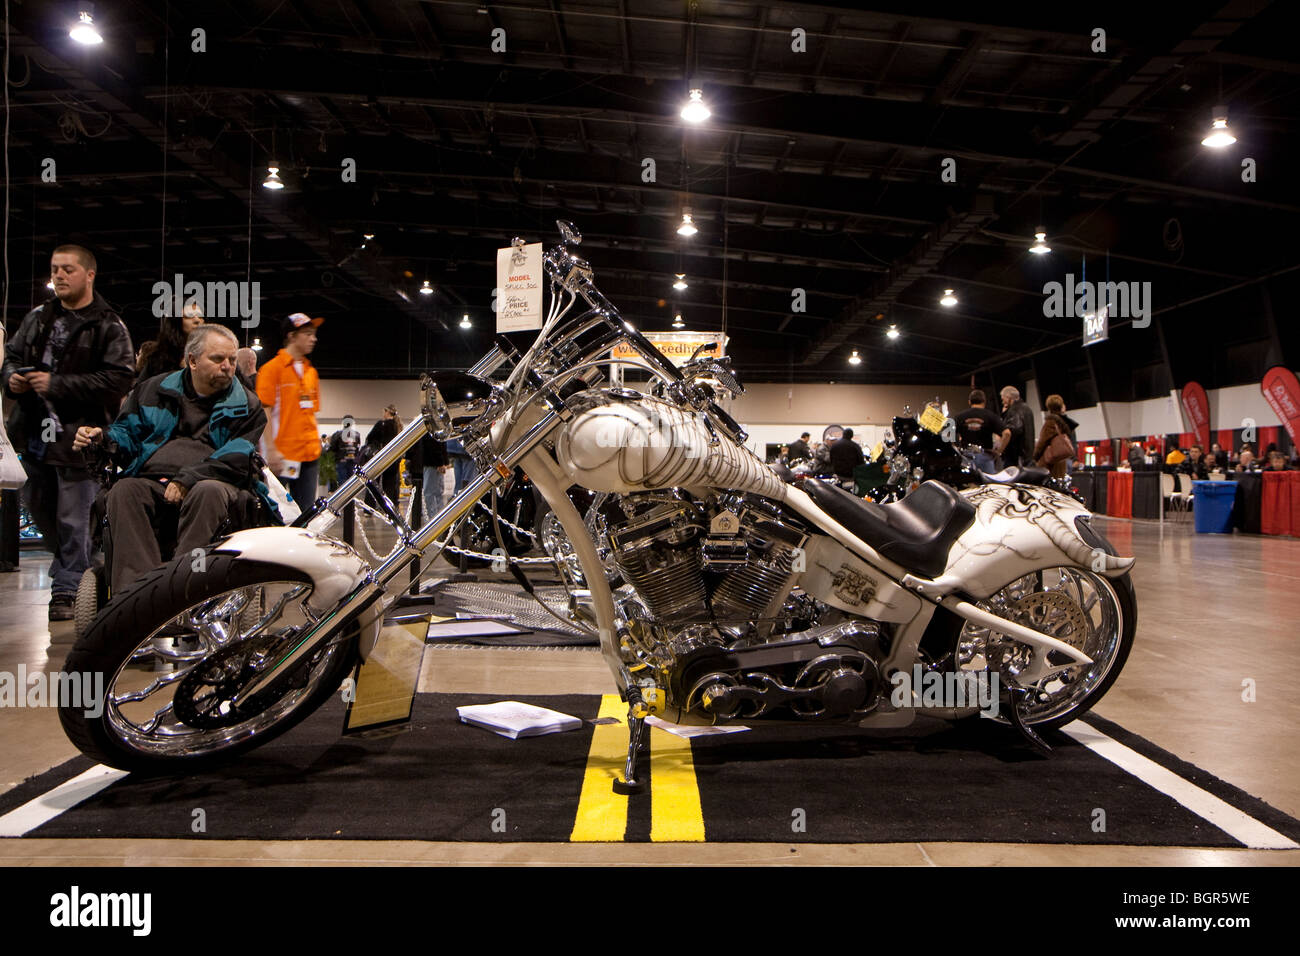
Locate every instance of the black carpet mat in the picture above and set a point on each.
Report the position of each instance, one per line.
(445, 781)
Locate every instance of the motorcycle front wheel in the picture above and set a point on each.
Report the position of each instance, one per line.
(171, 653)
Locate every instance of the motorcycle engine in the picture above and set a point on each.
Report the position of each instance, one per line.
(729, 562)
(713, 616)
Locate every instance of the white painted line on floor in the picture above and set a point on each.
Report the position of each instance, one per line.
(65, 796)
(1236, 823)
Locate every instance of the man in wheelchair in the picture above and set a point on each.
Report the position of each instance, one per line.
(186, 445)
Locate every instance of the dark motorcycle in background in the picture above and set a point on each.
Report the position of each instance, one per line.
(917, 450)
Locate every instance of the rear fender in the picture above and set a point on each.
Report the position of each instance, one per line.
(1019, 529)
(334, 568)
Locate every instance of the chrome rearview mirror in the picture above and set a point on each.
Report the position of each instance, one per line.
(453, 402)
(568, 232)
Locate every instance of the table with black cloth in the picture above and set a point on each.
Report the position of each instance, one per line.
(1146, 494)
(1100, 488)
(1085, 482)
(1247, 506)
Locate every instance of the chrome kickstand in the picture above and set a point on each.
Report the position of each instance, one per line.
(637, 745)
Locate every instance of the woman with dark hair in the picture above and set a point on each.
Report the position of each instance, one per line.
(165, 353)
(384, 431)
(1054, 448)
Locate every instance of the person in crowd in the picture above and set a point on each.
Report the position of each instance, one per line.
(186, 442)
(1176, 456)
(798, 449)
(1196, 465)
(1055, 405)
(345, 445)
(69, 364)
(1054, 450)
(1019, 420)
(384, 431)
(426, 464)
(846, 454)
(1136, 456)
(166, 353)
(289, 387)
(1246, 459)
(462, 465)
(246, 367)
(979, 425)
(1276, 461)
(1217, 457)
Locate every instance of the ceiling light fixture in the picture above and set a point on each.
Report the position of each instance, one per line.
(273, 180)
(84, 32)
(257, 345)
(695, 111)
(426, 289)
(680, 284)
(50, 285)
(1219, 135)
(465, 322)
(948, 300)
(1040, 247)
(893, 332)
(367, 236)
(855, 358)
(677, 321)
(688, 227)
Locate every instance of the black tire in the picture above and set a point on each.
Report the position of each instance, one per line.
(131, 622)
(91, 592)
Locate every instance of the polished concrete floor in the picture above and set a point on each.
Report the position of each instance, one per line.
(1216, 614)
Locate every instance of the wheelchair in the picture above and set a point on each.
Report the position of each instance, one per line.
(93, 593)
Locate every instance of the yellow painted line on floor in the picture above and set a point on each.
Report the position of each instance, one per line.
(602, 813)
(675, 813)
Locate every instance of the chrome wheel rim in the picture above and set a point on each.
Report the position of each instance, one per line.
(140, 697)
(1079, 607)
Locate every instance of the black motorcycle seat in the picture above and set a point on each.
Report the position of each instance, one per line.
(1033, 475)
(915, 532)
(783, 471)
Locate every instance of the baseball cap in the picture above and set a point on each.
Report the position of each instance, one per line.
(298, 321)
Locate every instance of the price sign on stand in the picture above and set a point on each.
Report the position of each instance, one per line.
(519, 287)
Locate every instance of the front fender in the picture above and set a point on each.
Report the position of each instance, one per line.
(1019, 529)
(335, 568)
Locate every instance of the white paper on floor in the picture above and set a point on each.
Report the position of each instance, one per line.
(515, 719)
(688, 731)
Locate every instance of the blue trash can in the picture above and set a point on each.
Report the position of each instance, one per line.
(1213, 506)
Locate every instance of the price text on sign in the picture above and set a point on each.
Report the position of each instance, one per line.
(519, 279)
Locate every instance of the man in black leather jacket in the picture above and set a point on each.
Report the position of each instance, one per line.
(69, 364)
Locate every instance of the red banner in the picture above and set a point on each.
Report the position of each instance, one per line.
(1196, 406)
(1282, 392)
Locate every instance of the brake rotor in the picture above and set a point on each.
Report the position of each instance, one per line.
(1054, 614)
(203, 696)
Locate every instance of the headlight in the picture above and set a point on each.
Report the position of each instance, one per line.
(454, 401)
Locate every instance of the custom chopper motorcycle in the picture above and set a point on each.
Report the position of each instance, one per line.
(719, 593)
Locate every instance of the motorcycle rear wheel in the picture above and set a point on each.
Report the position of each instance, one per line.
(170, 652)
(1102, 623)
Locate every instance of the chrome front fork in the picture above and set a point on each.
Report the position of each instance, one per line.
(411, 545)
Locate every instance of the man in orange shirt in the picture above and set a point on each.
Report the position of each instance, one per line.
(290, 389)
